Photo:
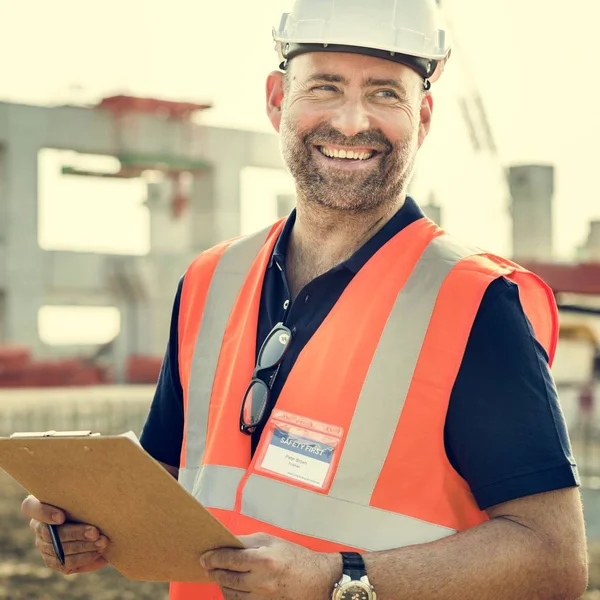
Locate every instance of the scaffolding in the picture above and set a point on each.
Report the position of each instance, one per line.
(125, 112)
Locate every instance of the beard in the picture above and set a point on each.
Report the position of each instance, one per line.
(353, 191)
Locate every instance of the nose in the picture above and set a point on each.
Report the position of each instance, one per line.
(351, 118)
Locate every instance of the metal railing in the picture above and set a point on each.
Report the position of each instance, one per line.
(107, 410)
(116, 409)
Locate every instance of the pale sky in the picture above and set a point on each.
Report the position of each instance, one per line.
(532, 60)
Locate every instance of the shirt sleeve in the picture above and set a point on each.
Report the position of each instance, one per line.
(162, 434)
(505, 431)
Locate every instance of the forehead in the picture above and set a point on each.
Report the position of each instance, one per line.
(352, 67)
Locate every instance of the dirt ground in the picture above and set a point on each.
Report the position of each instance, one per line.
(23, 576)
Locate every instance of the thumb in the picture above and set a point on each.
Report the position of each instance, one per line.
(257, 540)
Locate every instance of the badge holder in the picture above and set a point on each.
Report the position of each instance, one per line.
(299, 449)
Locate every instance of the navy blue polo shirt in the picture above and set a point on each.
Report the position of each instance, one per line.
(505, 432)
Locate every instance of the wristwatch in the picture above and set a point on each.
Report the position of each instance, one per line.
(354, 584)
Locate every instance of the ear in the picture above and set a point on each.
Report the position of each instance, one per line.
(275, 93)
(425, 117)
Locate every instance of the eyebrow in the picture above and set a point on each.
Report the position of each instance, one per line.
(370, 82)
(329, 77)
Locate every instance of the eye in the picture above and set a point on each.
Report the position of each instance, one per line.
(387, 95)
(324, 88)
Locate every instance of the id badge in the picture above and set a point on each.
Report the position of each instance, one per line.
(300, 449)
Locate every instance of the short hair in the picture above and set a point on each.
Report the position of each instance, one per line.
(287, 79)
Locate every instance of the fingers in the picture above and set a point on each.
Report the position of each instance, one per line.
(231, 580)
(244, 582)
(257, 540)
(82, 544)
(71, 548)
(45, 513)
(97, 564)
(74, 563)
(71, 532)
(81, 555)
(231, 559)
(242, 571)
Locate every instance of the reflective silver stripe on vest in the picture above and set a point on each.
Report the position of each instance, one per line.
(228, 278)
(313, 514)
(390, 374)
(216, 486)
(344, 515)
(327, 518)
(187, 477)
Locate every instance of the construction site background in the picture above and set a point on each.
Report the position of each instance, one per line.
(116, 409)
(108, 193)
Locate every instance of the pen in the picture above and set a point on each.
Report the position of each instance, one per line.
(56, 544)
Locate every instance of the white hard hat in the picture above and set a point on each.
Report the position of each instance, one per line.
(404, 31)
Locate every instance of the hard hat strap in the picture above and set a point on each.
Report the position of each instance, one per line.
(423, 66)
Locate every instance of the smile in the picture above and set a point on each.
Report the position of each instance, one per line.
(355, 154)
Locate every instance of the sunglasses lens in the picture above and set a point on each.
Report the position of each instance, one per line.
(255, 403)
(257, 394)
(273, 349)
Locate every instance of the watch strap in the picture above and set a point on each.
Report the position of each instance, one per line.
(353, 565)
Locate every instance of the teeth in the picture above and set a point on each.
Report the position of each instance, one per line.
(347, 154)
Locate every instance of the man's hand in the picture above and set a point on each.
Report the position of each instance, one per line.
(82, 544)
(272, 568)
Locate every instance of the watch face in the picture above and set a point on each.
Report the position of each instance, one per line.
(354, 592)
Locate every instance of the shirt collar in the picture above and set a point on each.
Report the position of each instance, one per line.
(407, 214)
(280, 249)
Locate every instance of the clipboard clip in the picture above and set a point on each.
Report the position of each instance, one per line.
(52, 434)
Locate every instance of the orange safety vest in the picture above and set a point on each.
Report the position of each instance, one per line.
(381, 366)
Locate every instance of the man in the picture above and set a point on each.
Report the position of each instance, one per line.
(364, 401)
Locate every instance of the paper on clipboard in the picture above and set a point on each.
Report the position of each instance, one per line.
(157, 530)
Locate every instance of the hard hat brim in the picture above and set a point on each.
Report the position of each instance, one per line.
(425, 67)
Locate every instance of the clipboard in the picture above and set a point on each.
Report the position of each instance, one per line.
(157, 530)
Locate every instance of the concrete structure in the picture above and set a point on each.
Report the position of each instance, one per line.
(532, 191)
(590, 251)
(141, 287)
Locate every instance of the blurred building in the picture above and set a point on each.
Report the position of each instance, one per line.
(532, 192)
(196, 205)
(590, 251)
